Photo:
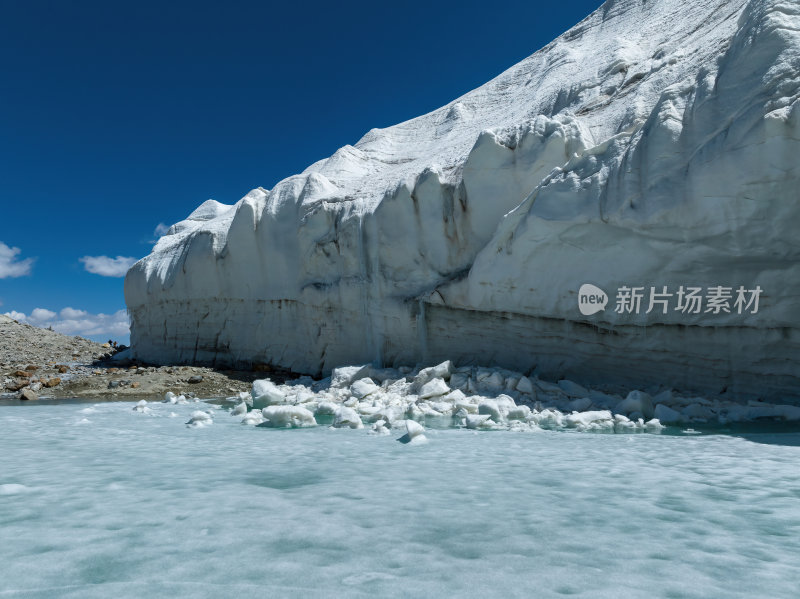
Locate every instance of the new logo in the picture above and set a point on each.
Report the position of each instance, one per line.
(591, 299)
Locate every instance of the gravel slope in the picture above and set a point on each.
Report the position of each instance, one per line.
(52, 365)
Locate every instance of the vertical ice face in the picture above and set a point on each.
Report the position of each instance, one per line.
(653, 145)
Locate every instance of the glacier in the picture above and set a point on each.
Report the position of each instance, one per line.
(654, 144)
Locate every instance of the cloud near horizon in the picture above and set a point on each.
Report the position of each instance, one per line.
(10, 265)
(108, 267)
(77, 322)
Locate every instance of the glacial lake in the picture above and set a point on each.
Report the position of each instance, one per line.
(97, 500)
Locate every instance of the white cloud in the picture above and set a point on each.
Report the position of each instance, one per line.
(10, 266)
(42, 314)
(161, 229)
(77, 322)
(72, 313)
(108, 267)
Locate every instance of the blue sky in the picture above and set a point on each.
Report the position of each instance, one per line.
(116, 117)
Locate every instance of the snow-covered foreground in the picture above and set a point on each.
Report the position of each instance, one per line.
(123, 500)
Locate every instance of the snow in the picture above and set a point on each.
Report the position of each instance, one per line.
(652, 144)
(131, 507)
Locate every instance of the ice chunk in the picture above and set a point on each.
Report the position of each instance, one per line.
(585, 419)
(636, 401)
(519, 413)
(380, 428)
(490, 408)
(199, 419)
(524, 385)
(239, 410)
(458, 380)
(13, 489)
(697, 412)
(363, 387)
(141, 407)
(494, 383)
(476, 421)
(455, 396)
(548, 418)
(572, 389)
(345, 417)
(415, 433)
(288, 417)
(434, 388)
(347, 375)
(666, 414)
(326, 408)
(266, 393)
(441, 371)
(580, 404)
(253, 417)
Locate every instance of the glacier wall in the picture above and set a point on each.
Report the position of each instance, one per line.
(654, 144)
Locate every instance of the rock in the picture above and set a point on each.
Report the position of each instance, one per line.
(31, 368)
(17, 384)
(113, 384)
(62, 369)
(197, 378)
(135, 385)
(28, 395)
(53, 382)
(22, 373)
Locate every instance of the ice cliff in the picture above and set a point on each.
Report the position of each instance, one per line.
(655, 144)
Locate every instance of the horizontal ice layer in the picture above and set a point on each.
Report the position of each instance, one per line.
(654, 144)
